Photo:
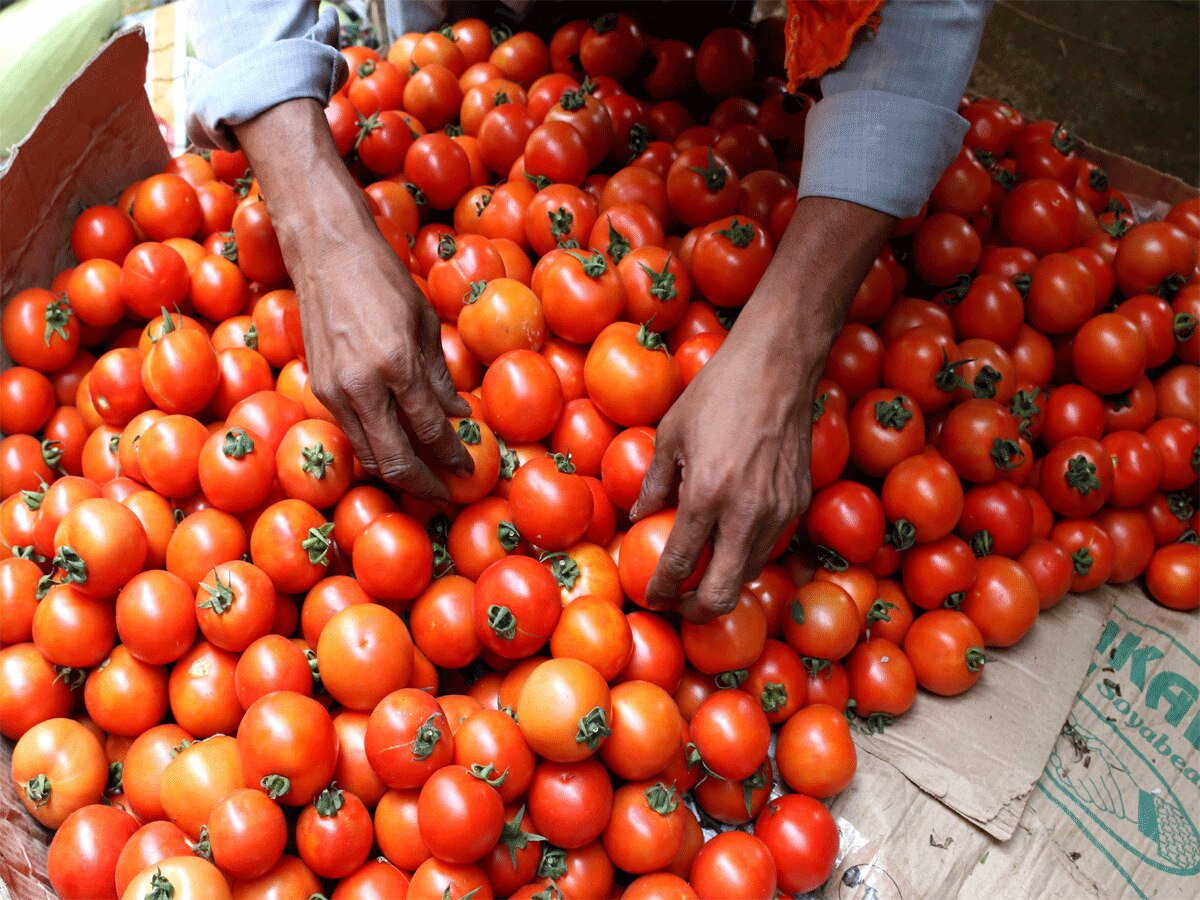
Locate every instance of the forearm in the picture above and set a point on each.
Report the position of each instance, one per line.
(315, 205)
(801, 301)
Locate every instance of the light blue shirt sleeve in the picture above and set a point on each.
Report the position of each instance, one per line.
(254, 54)
(888, 125)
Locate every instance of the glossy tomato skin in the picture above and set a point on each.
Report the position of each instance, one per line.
(287, 734)
(83, 854)
(570, 802)
(815, 753)
(803, 840)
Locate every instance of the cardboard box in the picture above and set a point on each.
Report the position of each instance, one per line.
(981, 796)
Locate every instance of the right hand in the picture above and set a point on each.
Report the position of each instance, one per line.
(373, 345)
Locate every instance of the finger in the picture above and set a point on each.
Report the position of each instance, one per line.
(435, 365)
(760, 550)
(348, 420)
(430, 426)
(395, 461)
(718, 591)
(682, 550)
(658, 482)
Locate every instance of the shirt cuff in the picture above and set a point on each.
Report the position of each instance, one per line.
(882, 150)
(252, 82)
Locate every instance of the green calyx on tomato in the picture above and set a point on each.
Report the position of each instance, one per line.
(734, 678)
(203, 847)
(954, 294)
(639, 139)
(418, 195)
(572, 100)
(595, 265)
(878, 613)
(982, 543)
(1081, 475)
(443, 563)
(468, 432)
(1022, 281)
(662, 284)
(488, 775)
(447, 246)
(1082, 560)
(508, 536)
(1065, 142)
(818, 409)
(1189, 537)
(52, 454)
(220, 596)
(1098, 180)
(1006, 454)
(1170, 286)
(229, 248)
(947, 378)
(1180, 504)
(160, 887)
(316, 460)
(651, 340)
(1024, 406)
(73, 566)
(774, 696)
(237, 443)
(549, 892)
(975, 659)
(539, 182)
(877, 723)
(662, 799)
(553, 864)
(593, 728)
(515, 837)
(366, 124)
(902, 534)
(329, 801)
(740, 234)
(796, 611)
(714, 175)
(757, 781)
(618, 248)
(426, 738)
(500, 34)
(605, 23)
(831, 560)
(502, 621)
(955, 600)
(509, 462)
(366, 68)
(1184, 325)
(482, 203)
(69, 676)
(315, 669)
(564, 569)
(58, 317)
(474, 292)
(28, 552)
(251, 338)
(317, 544)
(276, 786)
(38, 790)
(984, 386)
(500, 99)
(241, 186)
(453, 130)
(814, 666)
(892, 414)
(33, 499)
(561, 220)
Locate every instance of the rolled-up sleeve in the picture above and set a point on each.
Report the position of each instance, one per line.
(252, 55)
(888, 125)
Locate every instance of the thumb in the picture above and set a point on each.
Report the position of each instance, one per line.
(660, 478)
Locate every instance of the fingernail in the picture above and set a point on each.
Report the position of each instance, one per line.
(633, 511)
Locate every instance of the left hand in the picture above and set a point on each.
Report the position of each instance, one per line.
(737, 445)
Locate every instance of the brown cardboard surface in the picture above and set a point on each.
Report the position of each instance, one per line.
(97, 137)
(982, 753)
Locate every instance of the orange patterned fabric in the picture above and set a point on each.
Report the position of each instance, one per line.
(820, 32)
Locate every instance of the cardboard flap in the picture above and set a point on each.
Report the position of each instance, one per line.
(95, 138)
(982, 753)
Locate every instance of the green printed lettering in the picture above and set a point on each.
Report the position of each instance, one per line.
(1192, 735)
(1137, 657)
(1177, 762)
(1179, 692)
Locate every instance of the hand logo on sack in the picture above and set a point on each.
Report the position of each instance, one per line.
(1087, 767)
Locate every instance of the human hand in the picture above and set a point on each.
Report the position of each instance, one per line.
(736, 444)
(374, 354)
(372, 341)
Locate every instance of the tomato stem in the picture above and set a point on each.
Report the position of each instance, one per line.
(1081, 475)
(329, 801)
(487, 774)
(317, 544)
(734, 678)
(426, 738)
(73, 566)
(553, 864)
(975, 658)
(714, 175)
(220, 596)
(468, 432)
(774, 696)
(1082, 561)
(892, 414)
(507, 535)
(276, 786)
(237, 443)
(982, 543)
(502, 621)
(316, 460)
(593, 728)
(447, 246)
(662, 799)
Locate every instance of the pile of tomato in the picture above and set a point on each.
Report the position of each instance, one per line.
(236, 665)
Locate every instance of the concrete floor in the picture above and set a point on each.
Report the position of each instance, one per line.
(1124, 75)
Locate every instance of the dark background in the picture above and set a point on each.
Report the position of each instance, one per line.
(1124, 75)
